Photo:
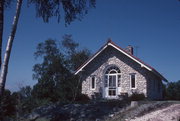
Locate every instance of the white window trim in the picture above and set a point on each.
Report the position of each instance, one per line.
(135, 81)
(94, 83)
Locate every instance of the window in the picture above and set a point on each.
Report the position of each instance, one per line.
(113, 70)
(133, 81)
(93, 83)
(112, 81)
(112, 92)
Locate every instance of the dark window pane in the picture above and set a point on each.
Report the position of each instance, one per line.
(93, 82)
(132, 81)
(106, 81)
(114, 81)
(110, 93)
(114, 92)
(110, 81)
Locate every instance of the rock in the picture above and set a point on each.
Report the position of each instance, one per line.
(72, 119)
(97, 120)
(77, 105)
(33, 116)
(82, 115)
(134, 103)
(42, 119)
(111, 115)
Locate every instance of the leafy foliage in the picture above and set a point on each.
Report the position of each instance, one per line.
(56, 82)
(82, 98)
(46, 9)
(173, 91)
(136, 96)
(26, 102)
(8, 105)
(74, 57)
(7, 3)
(70, 9)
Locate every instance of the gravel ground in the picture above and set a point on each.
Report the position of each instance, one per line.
(170, 113)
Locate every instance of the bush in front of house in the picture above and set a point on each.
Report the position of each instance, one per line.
(137, 96)
(82, 98)
(172, 91)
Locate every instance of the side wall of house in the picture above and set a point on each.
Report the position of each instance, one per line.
(108, 57)
(154, 88)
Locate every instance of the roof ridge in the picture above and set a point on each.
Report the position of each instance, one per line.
(111, 43)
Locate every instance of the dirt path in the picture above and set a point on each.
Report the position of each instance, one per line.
(170, 113)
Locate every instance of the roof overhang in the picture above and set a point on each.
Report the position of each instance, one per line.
(110, 43)
(89, 60)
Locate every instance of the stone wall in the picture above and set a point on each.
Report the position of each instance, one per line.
(105, 59)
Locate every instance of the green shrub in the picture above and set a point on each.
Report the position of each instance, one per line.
(137, 96)
(82, 98)
(172, 91)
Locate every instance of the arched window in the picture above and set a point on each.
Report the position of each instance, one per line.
(113, 70)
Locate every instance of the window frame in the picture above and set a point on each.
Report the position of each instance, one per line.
(133, 74)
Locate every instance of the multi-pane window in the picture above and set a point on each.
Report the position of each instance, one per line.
(133, 80)
(112, 92)
(112, 81)
(112, 85)
(112, 70)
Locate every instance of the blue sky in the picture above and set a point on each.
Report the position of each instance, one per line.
(152, 25)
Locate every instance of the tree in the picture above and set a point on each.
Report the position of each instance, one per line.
(26, 102)
(3, 4)
(50, 73)
(9, 47)
(74, 56)
(173, 91)
(55, 72)
(1, 26)
(15, 104)
(73, 9)
(8, 105)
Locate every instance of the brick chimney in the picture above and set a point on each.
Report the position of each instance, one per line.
(129, 49)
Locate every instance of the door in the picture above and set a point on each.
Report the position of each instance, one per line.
(112, 86)
(112, 82)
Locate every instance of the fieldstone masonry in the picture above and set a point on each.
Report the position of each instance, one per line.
(146, 81)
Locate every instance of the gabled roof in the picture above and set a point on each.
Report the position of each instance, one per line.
(112, 44)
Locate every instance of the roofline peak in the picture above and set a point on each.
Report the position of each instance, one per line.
(109, 40)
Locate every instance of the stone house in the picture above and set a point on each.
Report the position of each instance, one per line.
(112, 72)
